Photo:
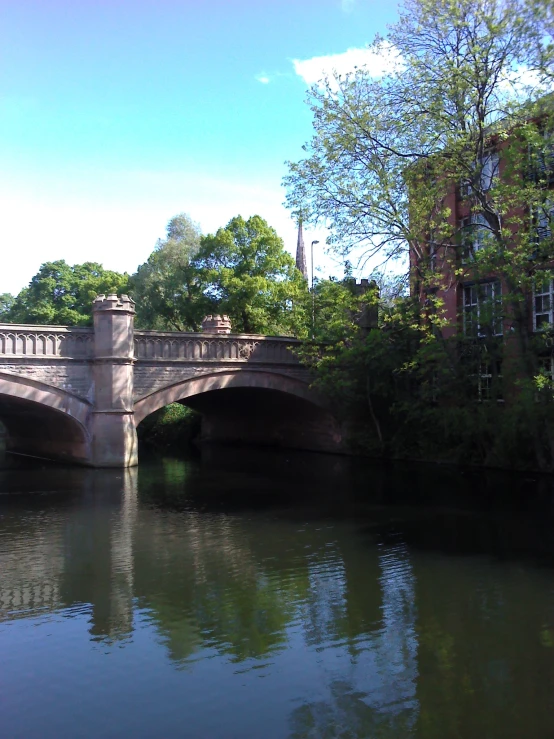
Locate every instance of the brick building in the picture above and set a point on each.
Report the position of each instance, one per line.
(491, 266)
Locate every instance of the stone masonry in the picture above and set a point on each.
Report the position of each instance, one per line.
(79, 393)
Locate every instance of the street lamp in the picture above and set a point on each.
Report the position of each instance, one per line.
(313, 294)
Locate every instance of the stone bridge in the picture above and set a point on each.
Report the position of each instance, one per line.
(78, 394)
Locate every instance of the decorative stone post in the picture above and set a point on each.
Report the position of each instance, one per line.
(216, 325)
(113, 432)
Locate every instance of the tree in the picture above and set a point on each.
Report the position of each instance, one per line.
(63, 294)
(389, 152)
(242, 270)
(6, 302)
(169, 289)
(456, 69)
(252, 278)
(539, 30)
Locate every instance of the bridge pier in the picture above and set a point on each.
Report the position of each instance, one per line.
(112, 425)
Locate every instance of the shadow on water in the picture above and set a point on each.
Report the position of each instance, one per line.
(443, 509)
(301, 595)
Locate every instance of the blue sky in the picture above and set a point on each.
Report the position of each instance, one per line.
(116, 115)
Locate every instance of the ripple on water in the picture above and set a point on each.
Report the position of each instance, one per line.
(123, 618)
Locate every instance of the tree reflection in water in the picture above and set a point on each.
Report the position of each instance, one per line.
(362, 624)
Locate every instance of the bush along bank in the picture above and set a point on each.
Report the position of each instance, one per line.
(404, 391)
(169, 428)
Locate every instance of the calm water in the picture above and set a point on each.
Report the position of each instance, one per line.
(271, 596)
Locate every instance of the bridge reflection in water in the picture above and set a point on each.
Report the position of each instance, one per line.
(192, 583)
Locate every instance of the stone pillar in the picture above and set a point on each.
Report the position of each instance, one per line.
(216, 325)
(113, 432)
(368, 316)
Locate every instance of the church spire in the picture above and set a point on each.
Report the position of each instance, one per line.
(301, 251)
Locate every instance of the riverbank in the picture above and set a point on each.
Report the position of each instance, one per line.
(176, 428)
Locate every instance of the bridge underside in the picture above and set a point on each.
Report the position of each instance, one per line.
(41, 431)
(265, 417)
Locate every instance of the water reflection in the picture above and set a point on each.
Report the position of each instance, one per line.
(281, 603)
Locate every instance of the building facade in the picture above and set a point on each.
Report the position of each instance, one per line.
(489, 275)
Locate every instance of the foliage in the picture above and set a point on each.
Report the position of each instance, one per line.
(455, 115)
(171, 427)
(6, 303)
(252, 278)
(63, 294)
(538, 17)
(168, 288)
(242, 270)
(338, 306)
(388, 152)
(456, 69)
(406, 392)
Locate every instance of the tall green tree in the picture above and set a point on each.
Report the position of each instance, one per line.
(462, 111)
(63, 294)
(456, 69)
(252, 278)
(454, 112)
(169, 289)
(6, 302)
(242, 270)
(539, 31)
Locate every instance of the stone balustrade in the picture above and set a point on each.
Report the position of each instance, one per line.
(155, 345)
(78, 343)
(66, 342)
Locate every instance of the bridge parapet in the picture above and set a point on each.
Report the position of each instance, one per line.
(70, 342)
(67, 342)
(204, 347)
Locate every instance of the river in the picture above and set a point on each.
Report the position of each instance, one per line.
(273, 595)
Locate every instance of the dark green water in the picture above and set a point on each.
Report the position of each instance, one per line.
(268, 596)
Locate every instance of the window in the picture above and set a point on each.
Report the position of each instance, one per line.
(488, 168)
(483, 368)
(542, 161)
(486, 389)
(544, 220)
(474, 231)
(482, 309)
(543, 295)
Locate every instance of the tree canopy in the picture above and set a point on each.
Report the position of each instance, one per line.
(167, 288)
(63, 294)
(250, 276)
(242, 270)
(448, 157)
(6, 302)
(456, 69)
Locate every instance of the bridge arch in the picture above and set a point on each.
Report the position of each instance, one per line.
(42, 420)
(252, 406)
(224, 380)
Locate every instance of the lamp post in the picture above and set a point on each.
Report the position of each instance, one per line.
(313, 294)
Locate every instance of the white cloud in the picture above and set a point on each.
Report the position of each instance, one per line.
(263, 78)
(375, 62)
